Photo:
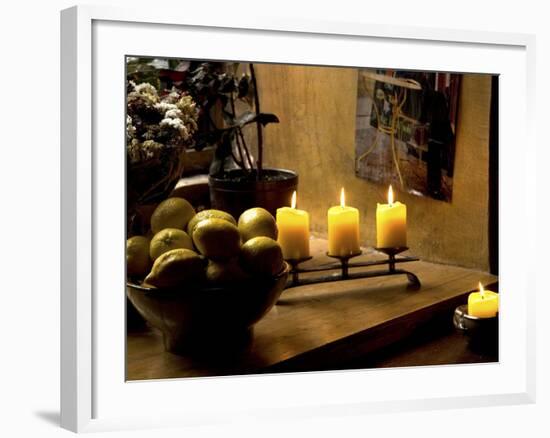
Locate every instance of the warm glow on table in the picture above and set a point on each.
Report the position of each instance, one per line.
(293, 225)
(343, 229)
(483, 304)
(391, 224)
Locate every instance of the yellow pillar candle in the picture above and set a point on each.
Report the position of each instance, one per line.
(293, 225)
(483, 304)
(391, 224)
(343, 229)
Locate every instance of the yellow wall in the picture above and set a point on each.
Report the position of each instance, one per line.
(316, 138)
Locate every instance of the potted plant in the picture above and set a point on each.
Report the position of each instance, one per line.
(229, 102)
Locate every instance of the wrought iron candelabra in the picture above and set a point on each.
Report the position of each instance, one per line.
(343, 266)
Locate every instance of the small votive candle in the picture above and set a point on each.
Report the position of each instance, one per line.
(483, 304)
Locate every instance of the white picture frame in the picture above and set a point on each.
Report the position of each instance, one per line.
(94, 395)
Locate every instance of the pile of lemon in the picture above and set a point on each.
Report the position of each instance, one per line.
(188, 248)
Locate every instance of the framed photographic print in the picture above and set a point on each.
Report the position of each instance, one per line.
(278, 217)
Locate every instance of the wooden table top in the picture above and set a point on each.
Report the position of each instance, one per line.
(320, 326)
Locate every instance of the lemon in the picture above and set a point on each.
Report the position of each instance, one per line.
(228, 272)
(256, 222)
(207, 214)
(217, 238)
(137, 256)
(262, 256)
(172, 213)
(177, 267)
(167, 239)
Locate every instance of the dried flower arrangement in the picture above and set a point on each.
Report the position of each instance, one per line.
(158, 131)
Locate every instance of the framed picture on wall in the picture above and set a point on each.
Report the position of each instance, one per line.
(405, 131)
(136, 226)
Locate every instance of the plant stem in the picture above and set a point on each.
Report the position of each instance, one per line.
(236, 160)
(241, 143)
(239, 161)
(258, 124)
(247, 153)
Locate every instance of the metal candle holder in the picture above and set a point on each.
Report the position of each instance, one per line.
(482, 332)
(343, 265)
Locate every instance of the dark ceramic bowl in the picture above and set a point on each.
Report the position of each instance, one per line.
(202, 316)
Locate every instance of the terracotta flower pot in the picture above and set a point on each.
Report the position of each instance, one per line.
(238, 191)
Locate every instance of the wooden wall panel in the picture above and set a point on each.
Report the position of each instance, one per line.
(316, 137)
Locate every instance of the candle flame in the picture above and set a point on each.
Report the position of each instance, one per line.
(481, 290)
(293, 202)
(342, 198)
(390, 195)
